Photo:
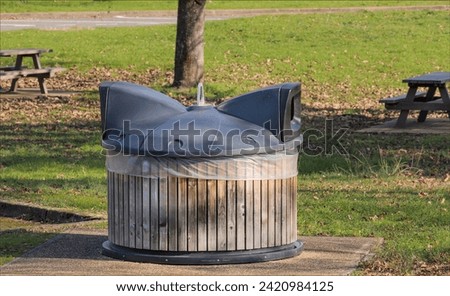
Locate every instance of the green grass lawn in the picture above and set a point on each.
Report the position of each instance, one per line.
(337, 56)
(395, 187)
(15, 243)
(387, 194)
(121, 5)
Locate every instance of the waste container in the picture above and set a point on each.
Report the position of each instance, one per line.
(202, 184)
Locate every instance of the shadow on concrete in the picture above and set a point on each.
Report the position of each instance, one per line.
(70, 246)
(31, 213)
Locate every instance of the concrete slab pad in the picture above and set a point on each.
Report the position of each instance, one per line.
(78, 252)
(438, 126)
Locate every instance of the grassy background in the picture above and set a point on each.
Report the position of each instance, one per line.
(349, 55)
(388, 186)
(121, 5)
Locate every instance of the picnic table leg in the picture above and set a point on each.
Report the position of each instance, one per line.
(445, 97)
(422, 116)
(401, 121)
(17, 66)
(37, 65)
(42, 86)
(429, 96)
(36, 61)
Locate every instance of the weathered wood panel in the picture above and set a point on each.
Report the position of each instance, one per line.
(288, 211)
(278, 208)
(163, 215)
(211, 192)
(132, 213)
(202, 215)
(271, 213)
(146, 215)
(192, 198)
(139, 214)
(293, 214)
(264, 215)
(180, 214)
(116, 208)
(111, 206)
(154, 214)
(221, 215)
(121, 209)
(240, 214)
(231, 215)
(173, 213)
(249, 215)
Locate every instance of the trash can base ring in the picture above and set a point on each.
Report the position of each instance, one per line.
(202, 258)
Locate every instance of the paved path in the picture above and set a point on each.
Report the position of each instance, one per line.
(84, 23)
(61, 21)
(79, 253)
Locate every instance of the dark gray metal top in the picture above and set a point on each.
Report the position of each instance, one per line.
(429, 79)
(141, 121)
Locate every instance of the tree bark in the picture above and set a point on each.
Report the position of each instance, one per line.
(189, 57)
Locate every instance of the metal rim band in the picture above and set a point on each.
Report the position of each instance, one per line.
(202, 258)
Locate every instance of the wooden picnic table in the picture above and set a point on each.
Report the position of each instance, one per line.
(424, 101)
(19, 70)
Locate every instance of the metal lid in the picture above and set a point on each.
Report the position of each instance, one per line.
(141, 121)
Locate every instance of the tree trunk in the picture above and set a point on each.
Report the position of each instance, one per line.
(189, 43)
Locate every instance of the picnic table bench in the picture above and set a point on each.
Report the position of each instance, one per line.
(423, 101)
(18, 71)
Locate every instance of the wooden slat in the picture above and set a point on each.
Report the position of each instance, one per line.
(283, 211)
(278, 211)
(221, 215)
(4, 69)
(294, 208)
(23, 52)
(126, 210)
(401, 98)
(435, 105)
(212, 214)
(202, 213)
(264, 215)
(288, 210)
(173, 213)
(192, 214)
(271, 213)
(240, 214)
(111, 206)
(163, 215)
(45, 72)
(6, 75)
(428, 79)
(231, 215)
(139, 213)
(39, 73)
(146, 213)
(249, 208)
(121, 208)
(154, 214)
(116, 209)
(132, 211)
(182, 215)
(257, 214)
